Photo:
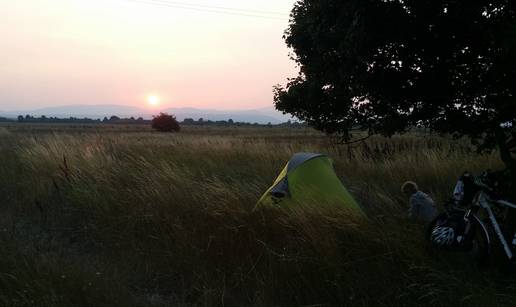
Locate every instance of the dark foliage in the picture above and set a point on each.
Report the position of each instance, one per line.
(165, 123)
(388, 66)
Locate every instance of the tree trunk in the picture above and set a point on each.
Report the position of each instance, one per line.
(505, 154)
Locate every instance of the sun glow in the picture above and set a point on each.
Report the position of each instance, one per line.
(153, 100)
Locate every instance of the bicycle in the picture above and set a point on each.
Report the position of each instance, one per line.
(472, 226)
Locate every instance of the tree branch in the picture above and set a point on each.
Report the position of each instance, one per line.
(358, 140)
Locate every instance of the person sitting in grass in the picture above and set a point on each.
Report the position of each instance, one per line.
(421, 206)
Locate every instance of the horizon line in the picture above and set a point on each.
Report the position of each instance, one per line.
(135, 107)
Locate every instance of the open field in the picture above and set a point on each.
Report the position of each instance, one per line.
(104, 216)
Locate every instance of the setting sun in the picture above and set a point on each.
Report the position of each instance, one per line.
(153, 100)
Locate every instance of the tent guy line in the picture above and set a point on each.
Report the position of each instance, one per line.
(199, 9)
(239, 10)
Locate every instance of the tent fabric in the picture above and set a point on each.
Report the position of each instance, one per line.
(308, 178)
(301, 158)
(280, 188)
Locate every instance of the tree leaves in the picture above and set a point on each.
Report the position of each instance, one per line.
(388, 66)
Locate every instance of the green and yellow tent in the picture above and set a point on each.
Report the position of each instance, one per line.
(309, 179)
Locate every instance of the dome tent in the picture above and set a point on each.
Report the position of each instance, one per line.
(309, 178)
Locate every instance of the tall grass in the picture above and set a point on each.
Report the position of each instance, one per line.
(98, 217)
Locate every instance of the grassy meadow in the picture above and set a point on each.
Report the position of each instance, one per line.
(119, 216)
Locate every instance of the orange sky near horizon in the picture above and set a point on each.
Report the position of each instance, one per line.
(59, 52)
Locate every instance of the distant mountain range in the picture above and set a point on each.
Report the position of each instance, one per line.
(261, 115)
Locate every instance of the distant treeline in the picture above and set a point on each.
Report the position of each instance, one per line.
(85, 120)
(6, 120)
(230, 122)
(139, 121)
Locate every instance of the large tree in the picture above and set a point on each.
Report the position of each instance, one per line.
(386, 66)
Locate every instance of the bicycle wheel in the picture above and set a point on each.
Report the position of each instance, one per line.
(448, 234)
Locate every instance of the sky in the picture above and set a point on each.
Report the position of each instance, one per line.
(62, 52)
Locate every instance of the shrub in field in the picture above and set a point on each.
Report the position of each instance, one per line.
(165, 123)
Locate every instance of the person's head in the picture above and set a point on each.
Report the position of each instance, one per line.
(409, 188)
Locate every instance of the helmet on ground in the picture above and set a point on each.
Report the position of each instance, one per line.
(442, 236)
